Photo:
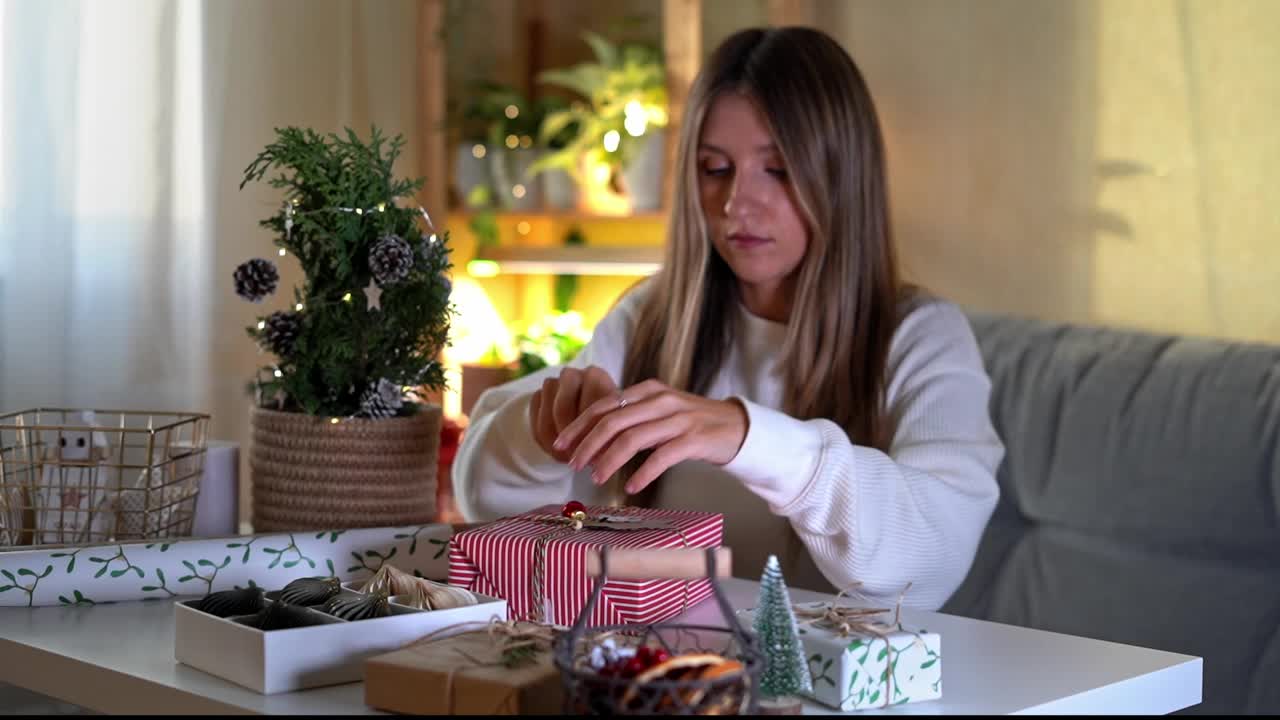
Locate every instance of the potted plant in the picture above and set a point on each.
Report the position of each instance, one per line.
(618, 122)
(341, 437)
(501, 125)
(555, 339)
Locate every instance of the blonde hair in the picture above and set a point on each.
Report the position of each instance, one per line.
(844, 312)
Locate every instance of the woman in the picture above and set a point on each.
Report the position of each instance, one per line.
(774, 370)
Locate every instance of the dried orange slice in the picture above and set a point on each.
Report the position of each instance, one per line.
(690, 666)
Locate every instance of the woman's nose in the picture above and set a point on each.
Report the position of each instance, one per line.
(744, 197)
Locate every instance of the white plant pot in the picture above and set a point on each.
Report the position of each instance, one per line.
(469, 171)
(509, 169)
(643, 177)
(559, 190)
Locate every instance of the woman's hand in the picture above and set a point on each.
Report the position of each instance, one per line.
(676, 425)
(564, 398)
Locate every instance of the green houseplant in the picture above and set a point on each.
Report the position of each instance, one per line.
(341, 437)
(623, 102)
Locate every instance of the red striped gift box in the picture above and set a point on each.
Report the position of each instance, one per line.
(501, 558)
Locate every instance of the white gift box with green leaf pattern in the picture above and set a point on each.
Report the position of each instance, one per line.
(861, 671)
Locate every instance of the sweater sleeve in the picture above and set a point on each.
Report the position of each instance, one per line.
(500, 469)
(913, 515)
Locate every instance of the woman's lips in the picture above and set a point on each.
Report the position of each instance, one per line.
(747, 241)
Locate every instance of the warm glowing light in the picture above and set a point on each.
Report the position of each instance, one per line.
(602, 174)
(482, 268)
(526, 141)
(382, 207)
(518, 191)
(523, 227)
(298, 307)
(282, 252)
(346, 298)
(477, 151)
(635, 125)
(513, 141)
(359, 211)
(611, 140)
(512, 112)
(433, 239)
(262, 324)
(333, 421)
(278, 373)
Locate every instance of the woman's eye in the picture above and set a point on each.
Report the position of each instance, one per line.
(715, 171)
(779, 173)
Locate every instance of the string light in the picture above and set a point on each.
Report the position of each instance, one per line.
(334, 421)
(526, 141)
(382, 207)
(512, 112)
(518, 190)
(346, 298)
(282, 252)
(298, 307)
(635, 121)
(523, 227)
(512, 141)
(277, 373)
(478, 151)
(262, 324)
(611, 140)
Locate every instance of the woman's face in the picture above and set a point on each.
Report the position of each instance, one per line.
(749, 204)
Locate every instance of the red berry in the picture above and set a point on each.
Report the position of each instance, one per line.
(572, 507)
(659, 656)
(633, 667)
(645, 653)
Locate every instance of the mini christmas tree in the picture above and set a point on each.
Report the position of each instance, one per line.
(786, 672)
(366, 326)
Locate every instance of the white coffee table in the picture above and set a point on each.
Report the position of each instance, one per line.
(119, 659)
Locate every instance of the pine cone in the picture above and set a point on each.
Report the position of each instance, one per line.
(381, 401)
(256, 279)
(281, 331)
(391, 260)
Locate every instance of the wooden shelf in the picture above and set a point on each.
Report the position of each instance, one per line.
(574, 260)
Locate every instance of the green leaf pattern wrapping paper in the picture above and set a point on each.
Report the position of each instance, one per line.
(187, 567)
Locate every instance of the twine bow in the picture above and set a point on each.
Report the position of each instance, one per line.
(844, 620)
(512, 645)
(578, 522)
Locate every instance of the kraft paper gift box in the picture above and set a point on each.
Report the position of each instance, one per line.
(537, 562)
(464, 675)
(878, 663)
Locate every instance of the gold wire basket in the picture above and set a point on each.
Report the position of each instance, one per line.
(72, 476)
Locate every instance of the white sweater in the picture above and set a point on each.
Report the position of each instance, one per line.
(833, 512)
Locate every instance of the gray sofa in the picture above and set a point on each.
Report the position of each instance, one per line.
(1140, 498)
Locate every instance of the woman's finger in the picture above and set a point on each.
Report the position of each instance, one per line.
(631, 441)
(661, 460)
(610, 424)
(568, 438)
(546, 418)
(565, 407)
(596, 384)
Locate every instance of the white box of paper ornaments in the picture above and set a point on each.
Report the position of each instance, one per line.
(306, 646)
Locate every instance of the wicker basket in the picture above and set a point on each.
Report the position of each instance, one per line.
(310, 473)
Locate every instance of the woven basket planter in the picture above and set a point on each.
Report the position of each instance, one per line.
(312, 474)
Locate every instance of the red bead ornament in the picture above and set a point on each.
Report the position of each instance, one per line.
(571, 507)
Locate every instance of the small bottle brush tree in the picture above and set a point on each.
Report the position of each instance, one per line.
(786, 672)
(373, 313)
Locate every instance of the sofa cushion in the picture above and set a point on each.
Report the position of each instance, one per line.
(1138, 497)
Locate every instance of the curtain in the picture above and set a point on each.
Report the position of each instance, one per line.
(126, 127)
